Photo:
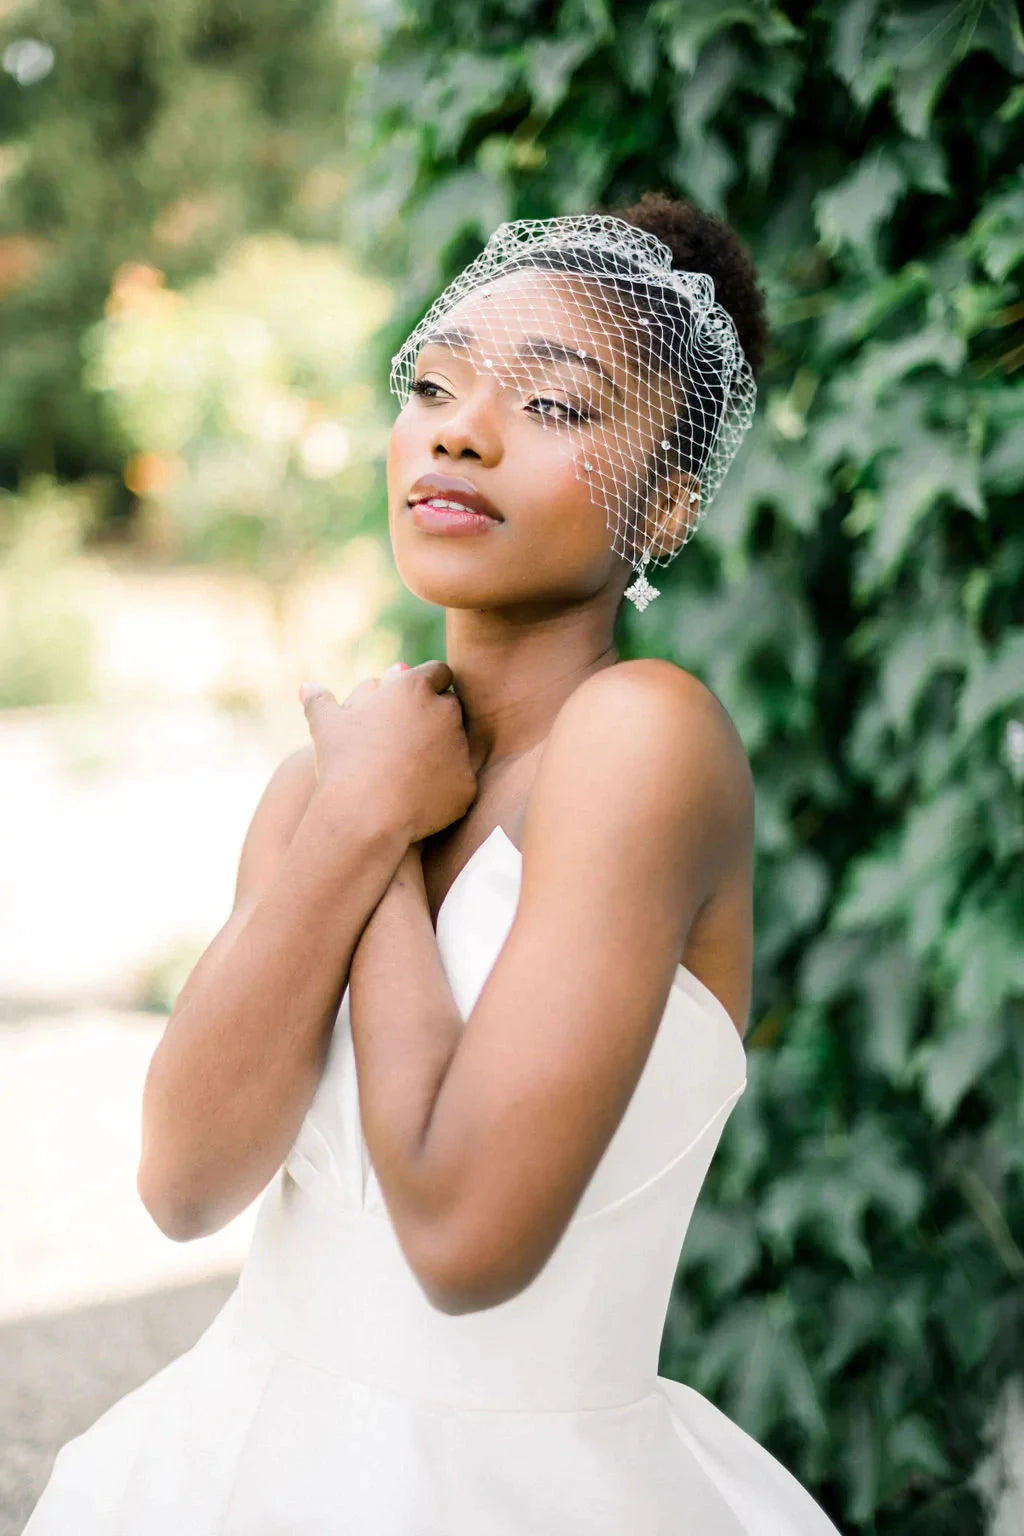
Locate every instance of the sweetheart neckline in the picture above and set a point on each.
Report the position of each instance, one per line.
(690, 982)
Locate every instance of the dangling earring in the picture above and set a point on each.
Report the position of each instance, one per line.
(640, 593)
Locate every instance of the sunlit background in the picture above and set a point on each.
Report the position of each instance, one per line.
(218, 219)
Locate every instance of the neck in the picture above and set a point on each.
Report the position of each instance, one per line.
(512, 677)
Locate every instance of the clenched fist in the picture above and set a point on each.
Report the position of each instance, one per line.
(396, 744)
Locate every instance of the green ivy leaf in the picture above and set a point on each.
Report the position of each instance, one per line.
(849, 54)
(996, 237)
(688, 28)
(994, 682)
(550, 64)
(854, 210)
(470, 85)
(920, 863)
(931, 467)
(637, 52)
(922, 47)
(956, 1058)
(984, 950)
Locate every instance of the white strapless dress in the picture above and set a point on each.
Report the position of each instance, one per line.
(329, 1398)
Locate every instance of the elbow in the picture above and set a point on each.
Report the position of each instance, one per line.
(176, 1220)
(465, 1276)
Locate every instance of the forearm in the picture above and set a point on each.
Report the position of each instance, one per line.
(237, 1066)
(405, 1031)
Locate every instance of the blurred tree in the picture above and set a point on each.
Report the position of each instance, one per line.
(249, 428)
(147, 131)
(852, 1289)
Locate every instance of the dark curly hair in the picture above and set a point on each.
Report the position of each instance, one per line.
(702, 242)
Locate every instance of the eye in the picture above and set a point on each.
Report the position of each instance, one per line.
(422, 387)
(574, 413)
(425, 389)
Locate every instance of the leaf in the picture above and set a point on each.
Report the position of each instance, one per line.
(469, 85)
(996, 237)
(994, 682)
(911, 656)
(934, 345)
(891, 987)
(823, 1201)
(756, 1350)
(955, 1059)
(464, 200)
(925, 166)
(831, 965)
(922, 47)
(913, 1446)
(922, 859)
(688, 27)
(932, 467)
(637, 52)
(984, 951)
(722, 71)
(997, 28)
(724, 1244)
(855, 1321)
(854, 209)
(550, 64)
(705, 172)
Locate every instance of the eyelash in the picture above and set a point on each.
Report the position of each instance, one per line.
(576, 416)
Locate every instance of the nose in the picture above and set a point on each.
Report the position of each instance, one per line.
(469, 429)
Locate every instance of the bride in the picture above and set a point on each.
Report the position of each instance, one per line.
(474, 1026)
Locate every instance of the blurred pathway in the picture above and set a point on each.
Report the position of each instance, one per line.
(119, 838)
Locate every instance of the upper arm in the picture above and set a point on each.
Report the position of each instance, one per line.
(271, 828)
(642, 801)
(278, 813)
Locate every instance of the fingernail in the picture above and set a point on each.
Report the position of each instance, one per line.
(305, 690)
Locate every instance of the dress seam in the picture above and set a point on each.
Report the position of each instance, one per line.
(434, 1404)
(632, 1194)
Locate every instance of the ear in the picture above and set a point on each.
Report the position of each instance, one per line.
(678, 512)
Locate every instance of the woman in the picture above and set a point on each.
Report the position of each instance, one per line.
(477, 1014)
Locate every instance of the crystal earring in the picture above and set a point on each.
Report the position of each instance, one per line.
(641, 592)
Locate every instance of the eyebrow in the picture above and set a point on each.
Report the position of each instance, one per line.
(541, 347)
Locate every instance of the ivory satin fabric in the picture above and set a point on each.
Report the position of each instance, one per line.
(329, 1397)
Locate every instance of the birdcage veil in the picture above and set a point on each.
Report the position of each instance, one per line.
(674, 391)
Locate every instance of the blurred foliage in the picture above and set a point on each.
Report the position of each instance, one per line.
(242, 402)
(46, 632)
(147, 131)
(852, 1289)
(179, 325)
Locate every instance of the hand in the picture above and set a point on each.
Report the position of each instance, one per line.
(396, 743)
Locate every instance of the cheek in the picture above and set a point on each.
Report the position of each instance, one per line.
(400, 442)
(568, 490)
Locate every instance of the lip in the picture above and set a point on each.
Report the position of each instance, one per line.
(439, 520)
(479, 509)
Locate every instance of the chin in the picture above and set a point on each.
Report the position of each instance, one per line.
(449, 582)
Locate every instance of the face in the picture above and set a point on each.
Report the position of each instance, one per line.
(560, 445)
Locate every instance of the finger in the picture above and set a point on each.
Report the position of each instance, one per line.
(313, 696)
(438, 673)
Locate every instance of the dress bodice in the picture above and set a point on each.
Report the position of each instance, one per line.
(326, 1264)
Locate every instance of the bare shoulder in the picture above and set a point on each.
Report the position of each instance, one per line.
(660, 683)
(652, 704)
(644, 768)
